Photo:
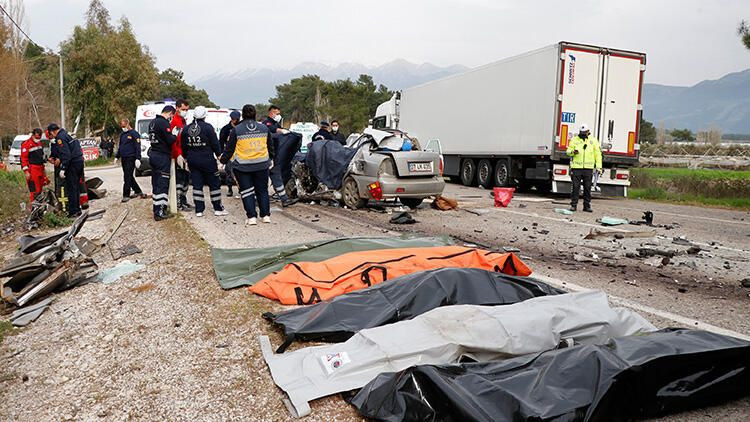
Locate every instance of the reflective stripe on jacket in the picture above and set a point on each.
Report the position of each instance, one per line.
(589, 157)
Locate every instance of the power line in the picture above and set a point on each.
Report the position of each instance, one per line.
(19, 27)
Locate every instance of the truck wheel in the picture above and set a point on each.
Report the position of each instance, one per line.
(468, 171)
(411, 202)
(484, 174)
(350, 194)
(502, 174)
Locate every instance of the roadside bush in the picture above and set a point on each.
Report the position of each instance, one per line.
(100, 161)
(13, 192)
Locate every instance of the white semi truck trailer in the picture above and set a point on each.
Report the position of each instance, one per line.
(508, 123)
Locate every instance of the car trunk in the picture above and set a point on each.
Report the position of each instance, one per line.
(414, 163)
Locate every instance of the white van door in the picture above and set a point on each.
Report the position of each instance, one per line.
(619, 122)
(580, 90)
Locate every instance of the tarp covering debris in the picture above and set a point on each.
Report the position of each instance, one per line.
(446, 335)
(404, 298)
(629, 378)
(245, 267)
(328, 161)
(305, 283)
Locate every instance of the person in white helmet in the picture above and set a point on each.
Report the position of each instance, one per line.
(585, 158)
(201, 148)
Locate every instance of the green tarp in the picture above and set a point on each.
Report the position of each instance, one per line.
(245, 267)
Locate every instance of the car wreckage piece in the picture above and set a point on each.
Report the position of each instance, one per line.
(628, 378)
(62, 263)
(447, 335)
(403, 298)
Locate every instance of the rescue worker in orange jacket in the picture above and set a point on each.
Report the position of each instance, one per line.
(32, 163)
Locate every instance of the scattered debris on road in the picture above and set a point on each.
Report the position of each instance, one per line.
(611, 221)
(443, 203)
(596, 233)
(49, 264)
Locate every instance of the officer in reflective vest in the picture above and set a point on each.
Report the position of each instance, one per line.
(200, 147)
(250, 149)
(585, 158)
(160, 159)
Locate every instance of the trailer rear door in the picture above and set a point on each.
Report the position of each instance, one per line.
(620, 109)
(580, 91)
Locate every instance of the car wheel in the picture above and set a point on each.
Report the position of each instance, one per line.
(485, 177)
(502, 174)
(468, 171)
(411, 202)
(350, 194)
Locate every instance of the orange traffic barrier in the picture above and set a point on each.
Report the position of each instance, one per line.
(305, 283)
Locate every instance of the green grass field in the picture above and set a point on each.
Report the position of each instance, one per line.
(715, 188)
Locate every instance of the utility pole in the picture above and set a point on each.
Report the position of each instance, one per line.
(62, 97)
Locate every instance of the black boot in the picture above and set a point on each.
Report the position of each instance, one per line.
(162, 214)
(230, 191)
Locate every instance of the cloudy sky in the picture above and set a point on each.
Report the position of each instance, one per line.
(686, 40)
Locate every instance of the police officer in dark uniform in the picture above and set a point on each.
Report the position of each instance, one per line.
(200, 146)
(278, 133)
(160, 159)
(234, 118)
(68, 151)
(129, 153)
(323, 133)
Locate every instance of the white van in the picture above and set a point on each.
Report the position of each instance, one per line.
(146, 113)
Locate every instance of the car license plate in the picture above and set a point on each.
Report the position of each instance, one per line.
(420, 167)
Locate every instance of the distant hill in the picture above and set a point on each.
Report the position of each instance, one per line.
(723, 103)
(258, 85)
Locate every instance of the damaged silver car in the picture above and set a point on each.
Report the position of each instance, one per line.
(377, 165)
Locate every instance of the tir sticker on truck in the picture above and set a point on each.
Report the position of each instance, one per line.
(568, 117)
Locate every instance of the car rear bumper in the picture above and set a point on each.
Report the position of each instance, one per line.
(394, 187)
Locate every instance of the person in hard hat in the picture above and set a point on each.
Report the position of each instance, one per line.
(585, 158)
(234, 118)
(200, 146)
(250, 149)
(32, 163)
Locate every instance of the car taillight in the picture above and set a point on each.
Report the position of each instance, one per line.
(441, 166)
(375, 190)
(622, 176)
(561, 172)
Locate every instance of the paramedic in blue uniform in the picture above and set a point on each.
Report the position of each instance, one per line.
(160, 159)
(273, 123)
(68, 151)
(129, 154)
(234, 118)
(251, 150)
(200, 147)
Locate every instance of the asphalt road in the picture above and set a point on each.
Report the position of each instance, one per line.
(689, 289)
